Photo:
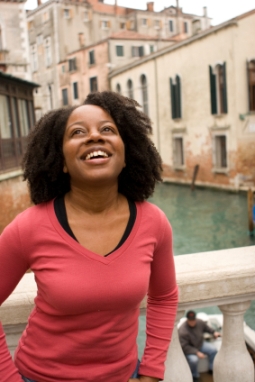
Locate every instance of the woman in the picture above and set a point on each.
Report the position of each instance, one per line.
(95, 246)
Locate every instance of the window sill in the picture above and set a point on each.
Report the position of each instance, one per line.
(221, 170)
(222, 115)
(10, 174)
(179, 168)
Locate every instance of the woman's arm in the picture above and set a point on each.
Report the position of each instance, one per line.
(12, 268)
(161, 306)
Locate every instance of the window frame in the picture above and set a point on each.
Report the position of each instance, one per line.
(144, 93)
(92, 81)
(218, 155)
(178, 165)
(251, 84)
(65, 97)
(218, 89)
(176, 97)
(75, 90)
(92, 60)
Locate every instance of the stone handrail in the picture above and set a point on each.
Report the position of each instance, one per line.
(225, 278)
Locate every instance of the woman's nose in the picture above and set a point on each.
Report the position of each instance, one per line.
(95, 135)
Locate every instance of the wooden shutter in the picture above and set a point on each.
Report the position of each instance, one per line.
(172, 92)
(178, 97)
(213, 91)
(225, 100)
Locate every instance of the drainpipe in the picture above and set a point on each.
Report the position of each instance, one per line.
(157, 101)
(177, 17)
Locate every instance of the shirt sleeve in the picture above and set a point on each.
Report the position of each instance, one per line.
(12, 268)
(161, 306)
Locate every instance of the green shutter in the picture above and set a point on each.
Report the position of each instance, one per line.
(225, 100)
(178, 97)
(172, 92)
(141, 52)
(213, 91)
(248, 85)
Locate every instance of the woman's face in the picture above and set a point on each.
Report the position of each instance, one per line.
(94, 152)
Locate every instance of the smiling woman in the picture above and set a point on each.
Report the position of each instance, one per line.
(96, 248)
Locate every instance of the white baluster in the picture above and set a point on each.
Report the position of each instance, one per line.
(233, 362)
(177, 368)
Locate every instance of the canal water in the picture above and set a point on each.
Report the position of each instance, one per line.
(203, 220)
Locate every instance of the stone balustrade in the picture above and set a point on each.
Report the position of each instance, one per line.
(225, 278)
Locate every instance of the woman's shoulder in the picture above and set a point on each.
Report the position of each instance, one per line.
(30, 217)
(151, 211)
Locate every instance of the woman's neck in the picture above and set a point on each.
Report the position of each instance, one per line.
(94, 200)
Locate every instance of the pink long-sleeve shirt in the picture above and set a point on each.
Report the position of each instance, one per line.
(85, 321)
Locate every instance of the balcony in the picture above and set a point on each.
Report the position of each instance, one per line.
(224, 278)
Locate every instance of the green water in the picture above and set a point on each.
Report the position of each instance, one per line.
(204, 220)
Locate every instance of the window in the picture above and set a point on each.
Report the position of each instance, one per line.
(144, 22)
(72, 64)
(63, 68)
(65, 97)
(156, 24)
(185, 27)
(1, 38)
(122, 25)
(93, 84)
(39, 39)
(220, 152)
(119, 50)
(67, 13)
(47, 47)
(85, 16)
(144, 88)
(151, 48)
(175, 91)
(75, 90)
(251, 84)
(105, 24)
(218, 87)
(130, 89)
(118, 88)
(34, 61)
(45, 16)
(91, 57)
(171, 25)
(16, 120)
(137, 51)
(178, 152)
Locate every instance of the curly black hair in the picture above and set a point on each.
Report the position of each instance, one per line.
(43, 160)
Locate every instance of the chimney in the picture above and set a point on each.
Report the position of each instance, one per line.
(150, 6)
(39, 2)
(205, 11)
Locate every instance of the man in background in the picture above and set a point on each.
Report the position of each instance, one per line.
(191, 334)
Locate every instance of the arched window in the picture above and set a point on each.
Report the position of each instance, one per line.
(251, 83)
(118, 88)
(130, 89)
(144, 88)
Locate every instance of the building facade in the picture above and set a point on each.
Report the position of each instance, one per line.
(14, 48)
(17, 118)
(87, 69)
(200, 96)
(57, 28)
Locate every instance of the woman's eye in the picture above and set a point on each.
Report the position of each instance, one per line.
(107, 128)
(78, 131)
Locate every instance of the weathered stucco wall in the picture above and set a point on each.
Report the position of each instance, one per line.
(190, 60)
(14, 199)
